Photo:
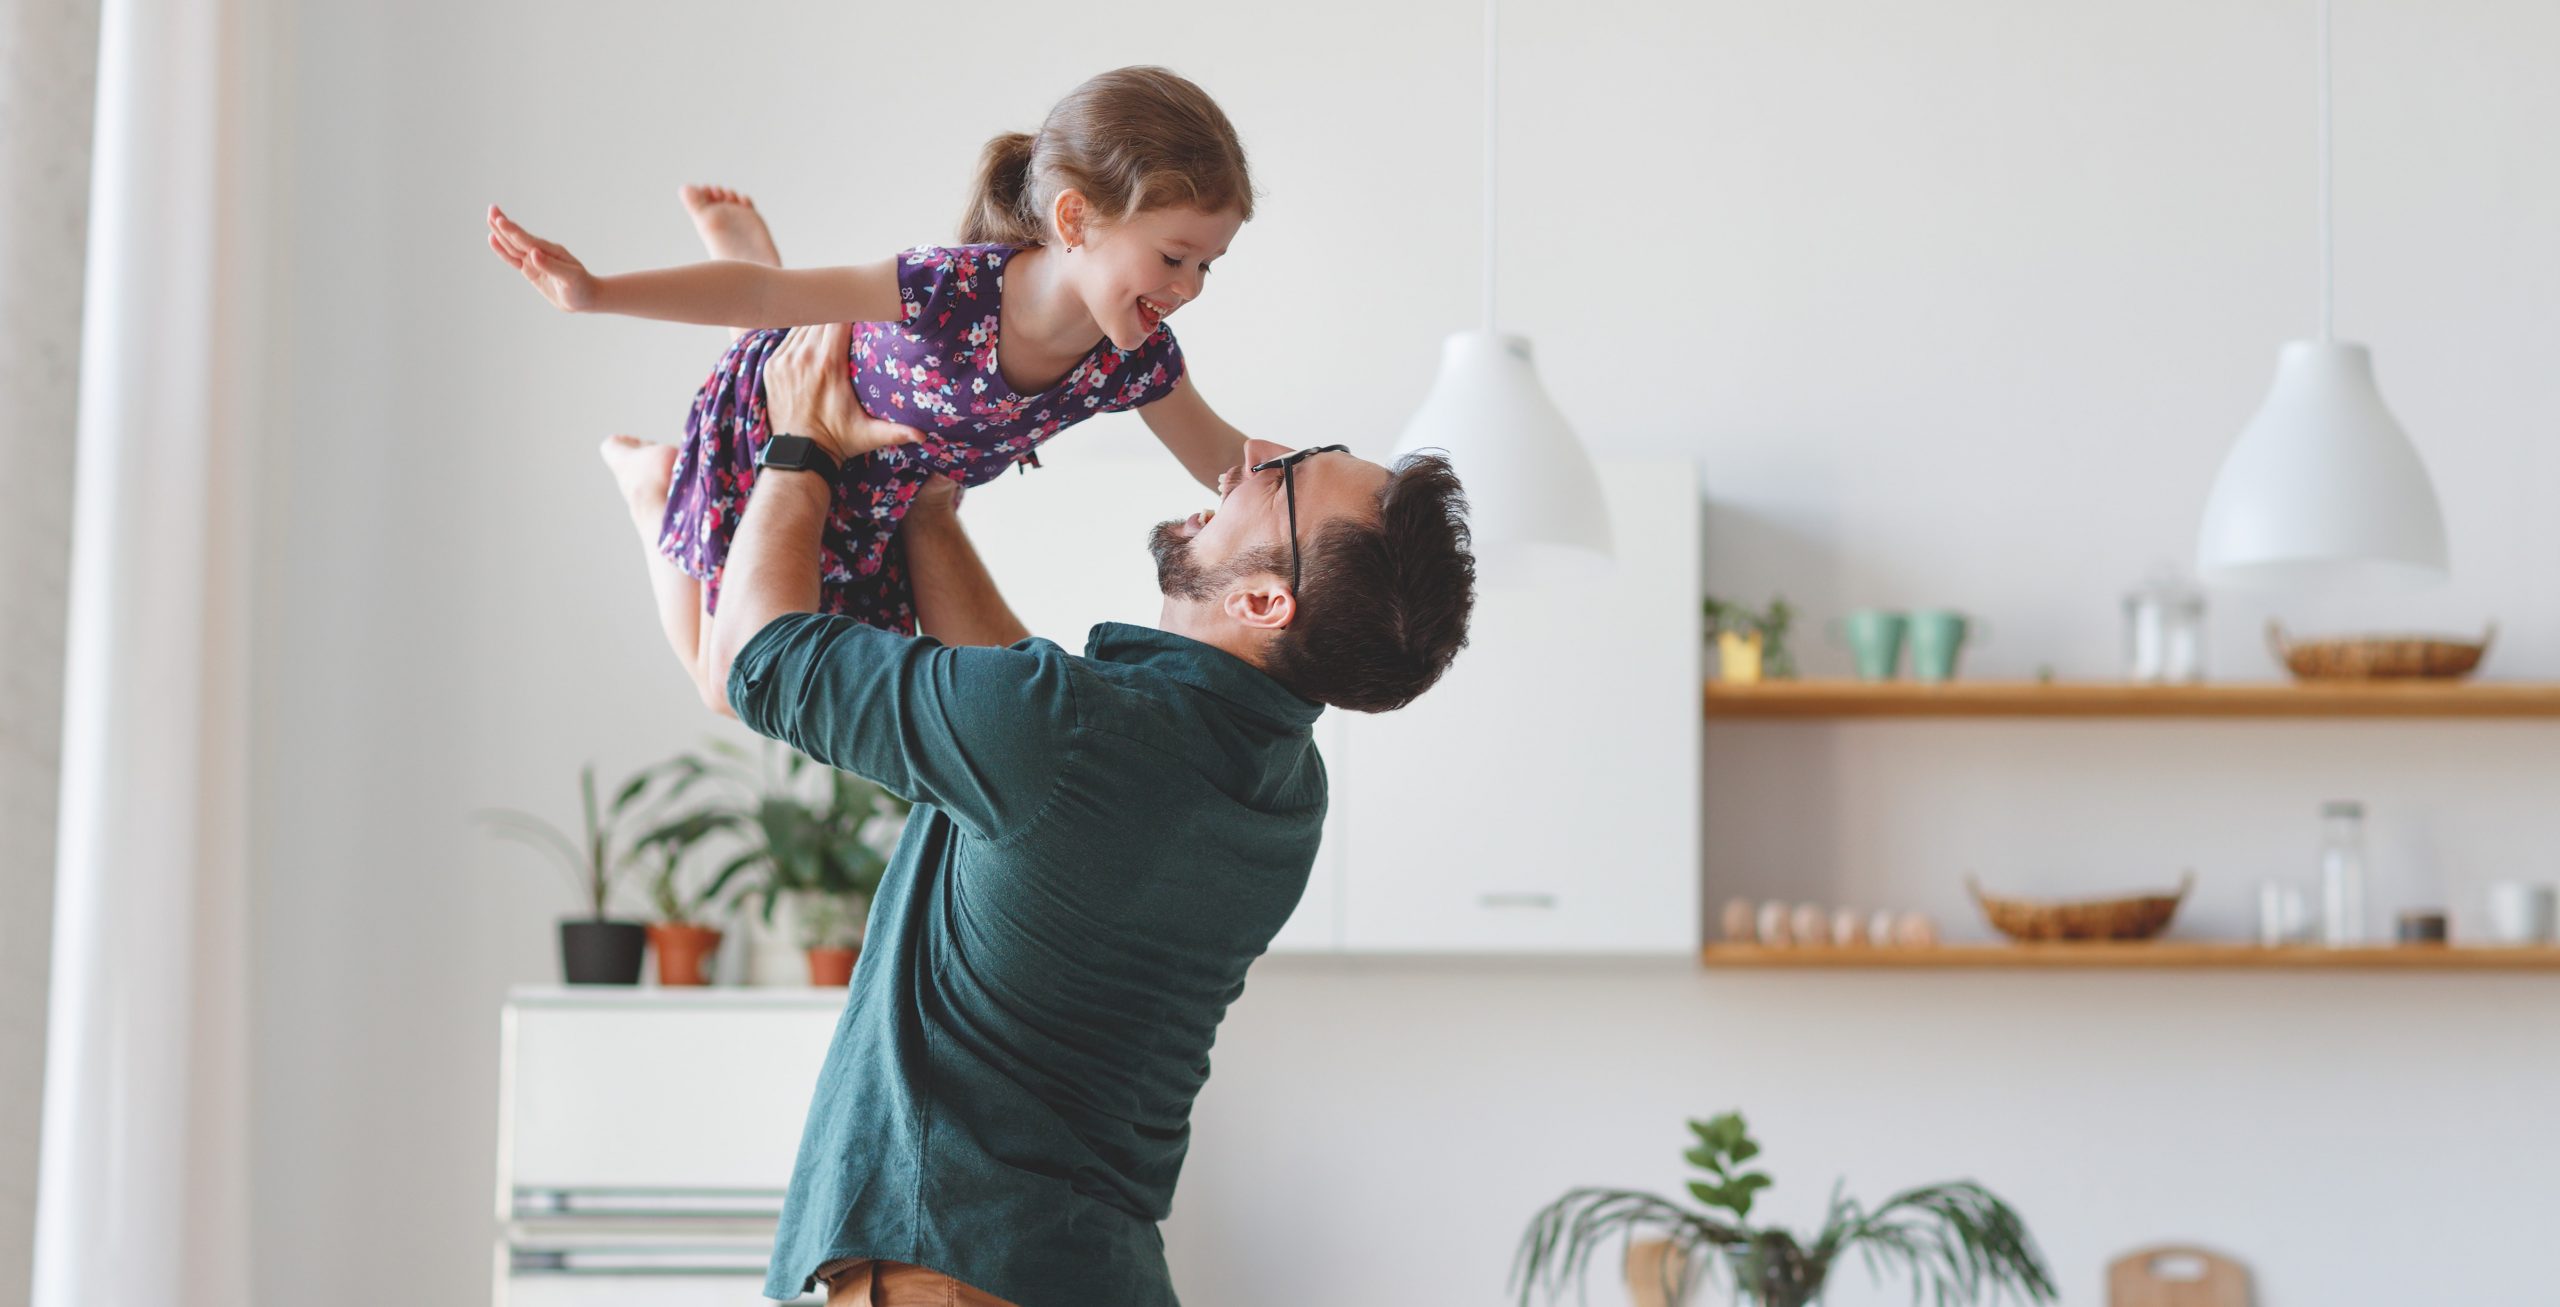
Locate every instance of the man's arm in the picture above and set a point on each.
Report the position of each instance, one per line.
(956, 600)
(773, 563)
(975, 732)
(772, 569)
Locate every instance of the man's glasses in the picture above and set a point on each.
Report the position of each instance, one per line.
(1287, 463)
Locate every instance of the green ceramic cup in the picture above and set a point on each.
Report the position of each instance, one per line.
(1937, 637)
(1875, 642)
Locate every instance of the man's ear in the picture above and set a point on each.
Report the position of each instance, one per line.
(1071, 216)
(1262, 605)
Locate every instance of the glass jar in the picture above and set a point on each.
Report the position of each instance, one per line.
(2342, 875)
(2164, 632)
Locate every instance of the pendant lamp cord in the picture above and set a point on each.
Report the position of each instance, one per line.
(2328, 260)
(1490, 71)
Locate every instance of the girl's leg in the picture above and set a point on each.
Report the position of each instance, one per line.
(730, 228)
(641, 470)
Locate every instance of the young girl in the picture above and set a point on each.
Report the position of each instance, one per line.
(1080, 242)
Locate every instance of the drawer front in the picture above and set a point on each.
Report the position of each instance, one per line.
(550, 1289)
(676, 1108)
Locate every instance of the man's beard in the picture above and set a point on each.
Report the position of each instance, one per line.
(1178, 572)
(1181, 575)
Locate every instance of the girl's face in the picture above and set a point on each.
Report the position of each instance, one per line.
(1134, 273)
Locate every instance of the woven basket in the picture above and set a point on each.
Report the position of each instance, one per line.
(2136, 917)
(2378, 656)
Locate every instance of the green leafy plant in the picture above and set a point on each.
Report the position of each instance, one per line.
(806, 829)
(1777, 658)
(679, 898)
(602, 854)
(1956, 1241)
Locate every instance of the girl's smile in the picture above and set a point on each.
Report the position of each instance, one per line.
(1148, 265)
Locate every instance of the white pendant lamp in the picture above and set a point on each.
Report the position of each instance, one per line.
(2323, 487)
(1536, 510)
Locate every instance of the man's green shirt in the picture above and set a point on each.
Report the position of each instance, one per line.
(1101, 846)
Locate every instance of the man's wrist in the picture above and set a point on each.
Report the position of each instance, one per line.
(791, 452)
(808, 482)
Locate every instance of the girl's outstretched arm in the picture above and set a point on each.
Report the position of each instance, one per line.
(722, 293)
(1186, 424)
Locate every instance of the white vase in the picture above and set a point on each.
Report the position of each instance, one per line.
(770, 951)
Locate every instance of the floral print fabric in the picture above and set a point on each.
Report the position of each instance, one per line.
(934, 371)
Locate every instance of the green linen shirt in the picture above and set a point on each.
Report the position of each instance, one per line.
(1101, 846)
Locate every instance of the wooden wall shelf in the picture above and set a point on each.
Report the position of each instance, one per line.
(2166, 955)
(1840, 699)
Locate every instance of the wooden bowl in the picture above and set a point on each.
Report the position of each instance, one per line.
(2139, 916)
(2377, 657)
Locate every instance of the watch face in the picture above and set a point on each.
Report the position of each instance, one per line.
(790, 453)
(797, 454)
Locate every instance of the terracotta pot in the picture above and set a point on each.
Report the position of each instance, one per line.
(684, 951)
(832, 966)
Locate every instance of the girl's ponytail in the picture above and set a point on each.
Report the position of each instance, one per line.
(1000, 213)
(1129, 140)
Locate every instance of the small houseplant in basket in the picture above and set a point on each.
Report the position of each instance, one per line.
(594, 950)
(1956, 1239)
(1751, 645)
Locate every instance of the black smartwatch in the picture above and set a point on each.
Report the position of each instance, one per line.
(798, 454)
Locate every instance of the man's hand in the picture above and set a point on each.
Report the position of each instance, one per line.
(807, 392)
(553, 271)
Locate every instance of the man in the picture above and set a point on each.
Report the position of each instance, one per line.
(1101, 845)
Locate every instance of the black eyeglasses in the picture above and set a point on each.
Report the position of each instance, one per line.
(1287, 463)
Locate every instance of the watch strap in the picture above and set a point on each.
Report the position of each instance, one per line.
(794, 453)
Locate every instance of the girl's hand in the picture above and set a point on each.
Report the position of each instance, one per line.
(808, 392)
(554, 271)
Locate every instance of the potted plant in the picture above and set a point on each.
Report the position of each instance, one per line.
(1956, 1238)
(1749, 644)
(594, 950)
(815, 844)
(828, 932)
(680, 938)
(834, 874)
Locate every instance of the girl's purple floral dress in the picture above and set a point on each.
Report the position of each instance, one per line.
(934, 371)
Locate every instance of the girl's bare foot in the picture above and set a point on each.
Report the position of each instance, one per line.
(730, 226)
(642, 471)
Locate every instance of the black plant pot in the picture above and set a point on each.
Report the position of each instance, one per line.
(602, 952)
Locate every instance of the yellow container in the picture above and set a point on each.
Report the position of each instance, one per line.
(1740, 655)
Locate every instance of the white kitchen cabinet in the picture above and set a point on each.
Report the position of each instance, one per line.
(1544, 798)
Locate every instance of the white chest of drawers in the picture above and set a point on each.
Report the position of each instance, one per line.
(645, 1137)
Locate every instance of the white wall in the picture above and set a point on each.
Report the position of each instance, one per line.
(1953, 303)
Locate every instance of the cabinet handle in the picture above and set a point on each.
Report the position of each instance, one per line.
(1543, 902)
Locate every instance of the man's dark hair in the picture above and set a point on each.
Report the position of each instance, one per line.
(1383, 605)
